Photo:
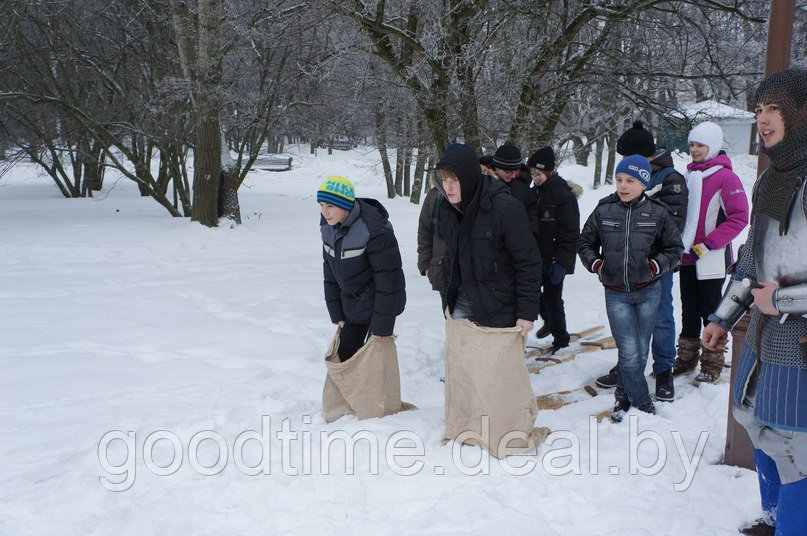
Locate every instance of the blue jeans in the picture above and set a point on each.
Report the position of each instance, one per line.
(664, 330)
(632, 316)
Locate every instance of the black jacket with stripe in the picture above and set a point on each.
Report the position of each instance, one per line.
(364, 282)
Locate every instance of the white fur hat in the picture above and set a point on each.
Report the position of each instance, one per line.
(709, 134)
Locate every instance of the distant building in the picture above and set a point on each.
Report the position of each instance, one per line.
(739, 126)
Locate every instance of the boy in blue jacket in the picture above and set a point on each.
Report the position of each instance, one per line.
(630, 240)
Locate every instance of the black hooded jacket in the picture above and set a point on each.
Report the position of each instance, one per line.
(559, 216)
(364, 282)
(672, 191)
(520, 189)
(490, 251)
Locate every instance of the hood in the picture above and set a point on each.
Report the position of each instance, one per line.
(663, 159)
(373, 213)
(721, 159)
(464, 163)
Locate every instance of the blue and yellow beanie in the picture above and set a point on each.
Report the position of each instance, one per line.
(337, 191)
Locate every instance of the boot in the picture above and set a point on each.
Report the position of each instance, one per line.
(665, 388)
(711, 366)
(687, 358)
(621, 407)
(608, 381)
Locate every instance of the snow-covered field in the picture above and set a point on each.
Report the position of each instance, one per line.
(157, 339)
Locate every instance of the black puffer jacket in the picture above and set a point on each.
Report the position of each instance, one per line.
(520, 189)
(672, 190)
(490, 250)
(364, 282)
(626, 236)
(559, 217)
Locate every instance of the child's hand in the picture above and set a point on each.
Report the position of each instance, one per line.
(699, 250)
(525, 325)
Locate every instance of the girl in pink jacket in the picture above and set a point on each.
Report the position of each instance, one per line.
(717, 211)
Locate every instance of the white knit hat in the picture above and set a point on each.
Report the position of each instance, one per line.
(709, 134)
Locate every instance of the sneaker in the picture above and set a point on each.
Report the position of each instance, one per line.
(665, 388)
(544, 332)
(620, 409)
(557, 346)
(707, 377)
(608, 381)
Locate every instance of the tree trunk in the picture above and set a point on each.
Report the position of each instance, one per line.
(407, 171)
(609, 167)
(229, 206)
(381, 144)
(400, 162)
(206, 167)
(598, 163)
(417, 182)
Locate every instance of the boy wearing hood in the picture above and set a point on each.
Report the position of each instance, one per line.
(492, 272)
(364, 282)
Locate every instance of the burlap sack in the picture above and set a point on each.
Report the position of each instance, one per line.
(367, 385)
(488, 391)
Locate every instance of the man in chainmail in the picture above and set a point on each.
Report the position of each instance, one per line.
(770, 387)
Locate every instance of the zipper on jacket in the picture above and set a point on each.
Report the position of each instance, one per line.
(627, 239)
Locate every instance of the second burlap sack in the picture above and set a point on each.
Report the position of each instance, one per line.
(488, 397)
(367, 385)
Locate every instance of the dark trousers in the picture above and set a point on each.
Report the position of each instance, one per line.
(552, 312)
(699, 299)
(351, 338)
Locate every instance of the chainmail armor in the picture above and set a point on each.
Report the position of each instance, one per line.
(775, 343)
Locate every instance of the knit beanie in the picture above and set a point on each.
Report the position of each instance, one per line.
(507, 157)
(543, 159)
(337, 191)
(450, 147)
(637, 167)
(709, 134)
(636, 140)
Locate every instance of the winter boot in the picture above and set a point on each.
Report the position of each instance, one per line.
(711, 366)
(665, 388)
(620, 409)
(608, 381)
(687, 358)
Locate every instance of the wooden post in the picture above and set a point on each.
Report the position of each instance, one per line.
(739, 450)
(780, 37)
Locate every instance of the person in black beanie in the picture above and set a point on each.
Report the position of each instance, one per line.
(669, 187)
(508, 166)
(559, 220)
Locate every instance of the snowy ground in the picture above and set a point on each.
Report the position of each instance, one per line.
(118, 321)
